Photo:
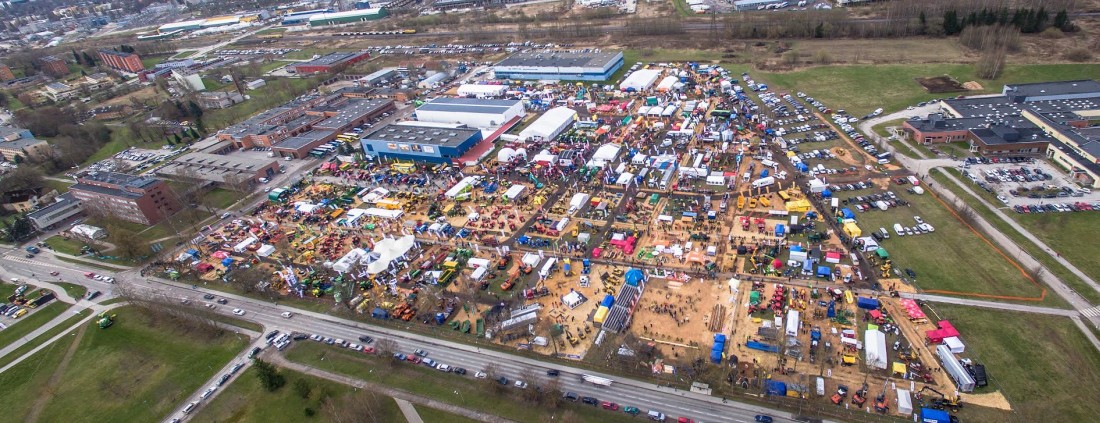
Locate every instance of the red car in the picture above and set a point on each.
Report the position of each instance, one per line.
(89, 275)
(368, 350)
(609, 405)
(413, 359)
(685, 420)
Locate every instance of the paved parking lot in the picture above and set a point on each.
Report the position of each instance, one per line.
(1009, 177)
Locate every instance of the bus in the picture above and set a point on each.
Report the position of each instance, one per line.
(349, 137)
(720, 113)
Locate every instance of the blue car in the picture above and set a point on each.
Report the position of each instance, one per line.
(763, 419)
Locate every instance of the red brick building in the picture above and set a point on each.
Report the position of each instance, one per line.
(331, 62)
(127, 62)
(138, 199)
(54, 66)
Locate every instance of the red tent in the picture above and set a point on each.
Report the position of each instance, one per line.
(946, 330)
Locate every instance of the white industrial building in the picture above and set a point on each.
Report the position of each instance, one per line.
(583, 65)
(549, 125)
(472, 112)
(481, 90)
(432, 81)
(640, 80)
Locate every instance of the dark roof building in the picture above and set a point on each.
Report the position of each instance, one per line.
(580, 65)
(133, 198)
(330, 62)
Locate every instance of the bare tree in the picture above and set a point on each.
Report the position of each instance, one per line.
(386, 348)
(358, 407)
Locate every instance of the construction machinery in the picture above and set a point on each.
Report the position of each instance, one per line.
(860, 396)
(881, 405)
(841, 393)
(940, 403)
(886, 267)
(106, 320)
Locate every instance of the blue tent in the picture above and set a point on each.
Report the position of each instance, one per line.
(847, 213)
(826, 193)
(824, 271)
(193, 253)
(764, 173)
(608, 301)
(634, 276)
(780, 230)
(802, 167)
(775, 387)
(227, 261)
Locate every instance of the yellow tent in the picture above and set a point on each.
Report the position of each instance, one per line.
(852, 230)
(899, 368)
(798, 206)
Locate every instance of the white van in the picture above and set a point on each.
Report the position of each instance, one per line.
(190, 407)
(898, 229)
(656, 416)
(885, 234)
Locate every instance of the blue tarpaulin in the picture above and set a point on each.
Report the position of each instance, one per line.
(608, 301)
(634, 277)
(867, 303)
(775, 387)
(824, 271)
(826, 194)
(847, 213)
(780, 230)
(760, 346)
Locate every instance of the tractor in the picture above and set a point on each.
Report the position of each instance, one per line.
(841, 393)
(860, 396)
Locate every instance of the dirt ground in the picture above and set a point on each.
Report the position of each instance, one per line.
(682, 318)
(940, 84)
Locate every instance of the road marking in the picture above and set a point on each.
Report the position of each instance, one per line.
(39, 263)
(1091, 312)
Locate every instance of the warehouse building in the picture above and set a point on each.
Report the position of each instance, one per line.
(351, 16)
(743, 5)
(584, 65)
(65, 207)
(231, 169)
(325, 116)
(472, 112)
(420, 141)
(330, 62)
(1043, 119)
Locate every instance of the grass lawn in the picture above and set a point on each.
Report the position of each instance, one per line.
(272, 65)
(64, 245)
(61, 186)
(89, 263)
(1033, 249)
(1063, 233)
(18, 352)
(128, 372)
(172, 226)
(74, 290)
(1045, 379)
(272, 31)
(121, 139)
(862, 88)
(433, 384)
(213, 84)
(151, 61)
(245, 400)
(32, 321)
(434, 415)
(953, 258)
(221, 198)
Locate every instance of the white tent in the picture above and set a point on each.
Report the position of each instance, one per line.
(349, 260)
(955, 344)
(578, 201)
(353, 216)
(479, 90)
(875, 352)
(905, 402)
(640, 80)
(479, 273)
(384, 213)
(817, 185)
(549, 125)
(625, 178)
(667, 83)
(305, 207)
(792, 323)
(572, 299)
(506, 154)
(515, 192)
(265, 250)
(375, 195)
(388, 250)
(88, 231)
(243, 245)
(462, 186)
(605, 154)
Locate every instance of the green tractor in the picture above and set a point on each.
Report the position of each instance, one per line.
(105, 321)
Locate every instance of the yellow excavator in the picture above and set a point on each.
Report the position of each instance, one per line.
(886, 267)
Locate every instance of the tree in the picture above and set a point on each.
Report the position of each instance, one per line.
(923, 28)
(76, 57)
(269, 376)
(127, 243)
(819, 31)
(1062, 22)
(194, 109)
(88, 60)
(386, 348)
(22, 177)
(362, 406)
(302, 388)
(951, 24)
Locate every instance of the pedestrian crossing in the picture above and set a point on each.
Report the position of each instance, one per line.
(1091, 312)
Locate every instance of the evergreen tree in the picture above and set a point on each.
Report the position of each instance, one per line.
(819, 31)
(88, 60)
(195, 110)
(76, 57)
(923, 23)
(951, 22)
(1061, 21)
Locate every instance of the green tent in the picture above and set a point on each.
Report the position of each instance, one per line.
(881, 253)
(754, 298)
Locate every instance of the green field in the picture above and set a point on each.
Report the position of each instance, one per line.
(61, 186)
(64, 245)
(221, 198)
(1042, 256)
(953, 258)
(129, 372)
(263, 98)
(1062, 232)
(434, 415)
(74, 290)
(32, 321)
(30, 345)
(245, 400)
(1047, 377)
(121, 139)
(863, 88)
(440, 386)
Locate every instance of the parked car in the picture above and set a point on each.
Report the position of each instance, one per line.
(238, 312)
